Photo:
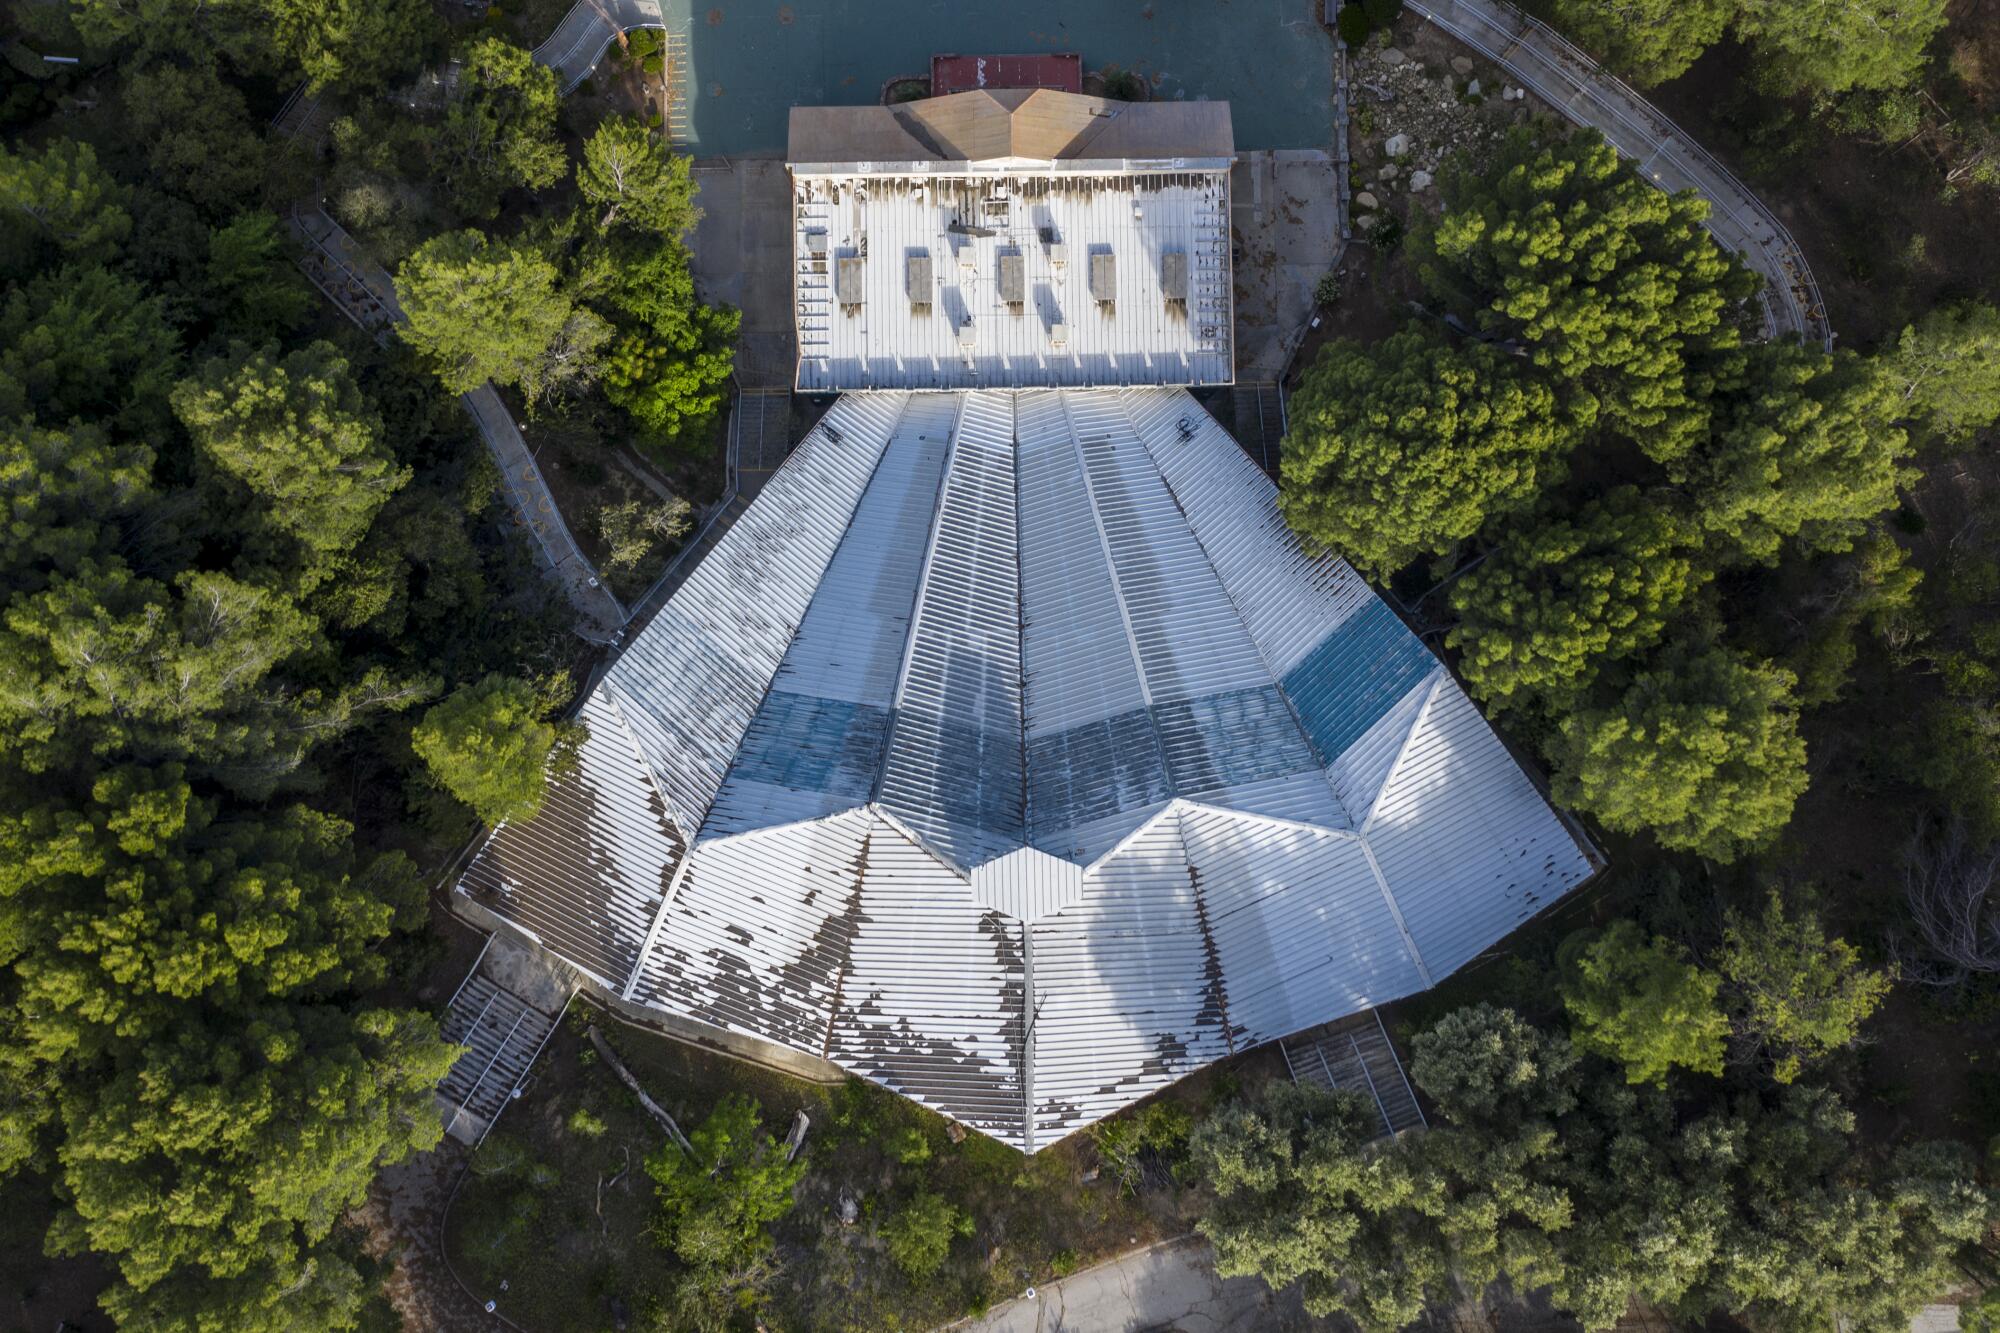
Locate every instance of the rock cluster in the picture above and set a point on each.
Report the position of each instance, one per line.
(1423, 116)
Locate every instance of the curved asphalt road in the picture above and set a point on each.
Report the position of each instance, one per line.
(580, 40)
(1572, 82)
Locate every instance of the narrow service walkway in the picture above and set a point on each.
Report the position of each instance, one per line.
(1568, 79)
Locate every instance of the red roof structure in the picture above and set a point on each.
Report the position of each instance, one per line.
(1061, 70)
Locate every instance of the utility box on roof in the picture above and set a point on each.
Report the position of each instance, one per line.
(917, 276)
(1013, 278)
(847, 279)
(1173, 275)
(1104, 276)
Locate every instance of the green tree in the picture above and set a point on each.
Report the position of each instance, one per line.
(920, 1234)
(1642, 1004)
(63, 495)
(1648, 41)
(1487, 1065)
(251, 288)
(499, 129)
(488, 746)
(102, 662)
(200, 141)
(1702, 749)
(1803, 450)
(1612, 288)
(1946, 367)
(1404, 447)
(716, 1207)
(218, 1150)
(629, 172)
(1558, 598)
(672, 381)
(1831, 46)
(1801, 994)
(84, 342)
(480, 311)
(62, 197)
(353, 43)
(297, 434)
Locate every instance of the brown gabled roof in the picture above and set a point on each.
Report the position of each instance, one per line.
(1037, 124)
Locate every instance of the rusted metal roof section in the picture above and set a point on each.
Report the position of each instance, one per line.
(586, 874)
(1025, 763)
(689, 683)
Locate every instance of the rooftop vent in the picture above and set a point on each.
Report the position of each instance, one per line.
(968, 335)
(816, 243)
(1058, 253)
(1104, 276)
(1173, 275)
(1058, 334)
(917, 277)
(1013, 278)
(847, 279)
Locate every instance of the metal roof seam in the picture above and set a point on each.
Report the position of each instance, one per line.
(659, 923)
(1396, 911)
(923, 579)
(1021, 632)
(1104, 542)
(1440, 680)
(1029, 1016)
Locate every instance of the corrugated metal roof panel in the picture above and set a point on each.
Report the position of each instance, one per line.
(1288, 599)
(954, 764)
(1027, 884)
(1465, 841)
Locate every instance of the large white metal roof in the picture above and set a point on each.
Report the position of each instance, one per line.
(1010, 751)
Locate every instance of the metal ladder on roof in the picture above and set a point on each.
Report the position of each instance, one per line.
(1354, 1054)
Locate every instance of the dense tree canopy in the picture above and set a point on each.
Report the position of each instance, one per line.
(482, 311)
(499, 128)
(1613, 288)
(1702, 748)
(628, 172)
(1402, 448)
(1802, 994)
(1648, 41)
(1639, 1002)
(1830, 46)
(489, 747)
(1946, 368)
(1558, 598)
(1557, 1174)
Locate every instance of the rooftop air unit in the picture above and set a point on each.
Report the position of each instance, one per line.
(968, 336)
(1013, 278)
(1058, 254)
(1058, 334)
(1174, 275)
(917, 278)
(847, 280)
(1104, 276)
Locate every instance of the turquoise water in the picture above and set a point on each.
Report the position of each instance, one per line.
(753, 60)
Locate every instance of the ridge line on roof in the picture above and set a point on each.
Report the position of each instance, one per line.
(1021, 642)
(1395, 911)
(1438, 678)
(610, 693)
(1029, 1014)
(659, 921)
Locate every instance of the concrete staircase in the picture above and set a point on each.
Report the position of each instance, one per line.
(1354, 1054)
(763, 436)
(503, 1013)
(1260, 423)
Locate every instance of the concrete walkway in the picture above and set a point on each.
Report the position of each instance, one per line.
(1562, 75)
(1171, 1285)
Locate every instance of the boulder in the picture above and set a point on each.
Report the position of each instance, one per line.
(1366, 220)
(1472, 89)
(1420, 180)
(1398, 145)
(1367, 199)
(1387, 173)
(1392, 58)
(1461, 64)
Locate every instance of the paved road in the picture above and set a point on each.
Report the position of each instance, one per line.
(1572, 82)
(1172, 1285)
(588, 30)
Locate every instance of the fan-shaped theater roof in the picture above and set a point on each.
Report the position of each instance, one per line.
(1009, 751)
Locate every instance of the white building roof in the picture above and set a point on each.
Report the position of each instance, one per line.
(1010, 752)
(1011, 240)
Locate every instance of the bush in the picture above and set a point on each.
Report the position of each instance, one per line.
(1122, 85)
(1381, 13)
(585, 1125)
(1327, 290)
(1353, 25)
(919, 1236)
(1387, 235)
(911, 1146)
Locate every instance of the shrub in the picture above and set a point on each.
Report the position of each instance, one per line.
(919, 1236)
(584, 1124)
(1381, 13)
(1122, 85)
(1352, 24)
(911, 1146)
(1327, 290)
